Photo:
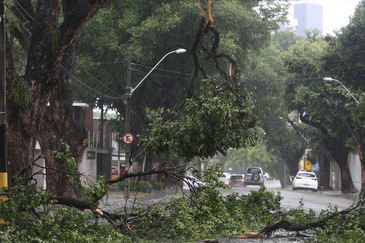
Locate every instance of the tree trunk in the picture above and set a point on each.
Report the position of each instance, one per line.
(346, 180)
(336, 146)
(50, 39)
(357, 134)
(59, 123)
(341, 157)
(324, 169)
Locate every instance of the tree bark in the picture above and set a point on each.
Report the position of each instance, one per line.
(324, 177)
(336, 146)
(59, 123)
(339, 154)
(357, 134)
(48, 44)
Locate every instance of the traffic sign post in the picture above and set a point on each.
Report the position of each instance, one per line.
(128, 138)
(308, 165)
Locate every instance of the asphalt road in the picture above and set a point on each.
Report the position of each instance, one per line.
(312, 200)
(291, 199)
(317, 201)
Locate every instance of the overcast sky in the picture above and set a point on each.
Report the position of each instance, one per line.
(336, 13)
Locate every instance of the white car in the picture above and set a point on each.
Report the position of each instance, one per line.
(191, 182)
(225, 178)
(305, 180)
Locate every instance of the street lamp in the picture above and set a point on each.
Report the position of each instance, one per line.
(130, 91)
(178, 51)
(335, 80)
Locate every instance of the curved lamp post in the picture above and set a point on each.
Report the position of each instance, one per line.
(335, 80)
(178, 51)
(130, 91)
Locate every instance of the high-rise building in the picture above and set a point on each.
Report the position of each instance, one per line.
(306, 16)
(309, 16)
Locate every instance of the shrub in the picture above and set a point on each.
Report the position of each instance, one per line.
(157, 186)
(121, 184)
(141, 186)
(138, 186)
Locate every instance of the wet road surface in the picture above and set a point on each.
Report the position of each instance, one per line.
(291, 199)
(317, 201)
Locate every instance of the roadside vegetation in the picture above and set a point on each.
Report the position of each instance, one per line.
(241, 90)
(30, 215)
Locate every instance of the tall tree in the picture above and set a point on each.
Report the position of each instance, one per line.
(265, 79)
(319, 104)
(45, 31)
(345, 61)
(149, 30)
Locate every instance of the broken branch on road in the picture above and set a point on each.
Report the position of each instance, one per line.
(286, 225)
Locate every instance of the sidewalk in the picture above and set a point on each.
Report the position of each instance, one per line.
(337, 193)
(114, 200)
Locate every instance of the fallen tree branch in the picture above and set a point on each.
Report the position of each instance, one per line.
(286, 225)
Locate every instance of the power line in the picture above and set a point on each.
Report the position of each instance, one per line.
(164, 76)
(73, 75)
(282, 80)
(160, 69)
(121, 97)
(92, 76)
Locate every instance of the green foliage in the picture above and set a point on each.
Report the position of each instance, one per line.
(265, 78)
(20, 93)
(211, 176)
(349, 66)
(259, 155)
(255, 210)
(68, 160)
(299, 216)
(213, 123)
(344, 228)
(157, 186)
(98, 189)
(138, 186)
(211, 215)
(148, 30)
(24, 224)
(141, 186)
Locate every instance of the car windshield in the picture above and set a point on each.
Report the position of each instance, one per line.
(306, 175)
(253, 170)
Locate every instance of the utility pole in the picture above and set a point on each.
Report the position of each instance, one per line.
(3, 150)
(101, 126)
(128, 123)
(128, 111)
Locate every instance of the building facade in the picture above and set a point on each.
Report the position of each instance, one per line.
(306, 16)
(309, 17)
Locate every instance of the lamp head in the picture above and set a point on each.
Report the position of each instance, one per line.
(180, 51)
(327, 79)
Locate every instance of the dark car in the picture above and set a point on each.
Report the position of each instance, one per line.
(254, 176)
(236, 180)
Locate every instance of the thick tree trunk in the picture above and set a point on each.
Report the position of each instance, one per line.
(59, 123)
(336, 146)
(346, 180)
(49, 42)
(362, 190)
(357, 134)
(324, 177)
(341, 157)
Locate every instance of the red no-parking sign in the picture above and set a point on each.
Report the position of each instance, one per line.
(128, 138)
